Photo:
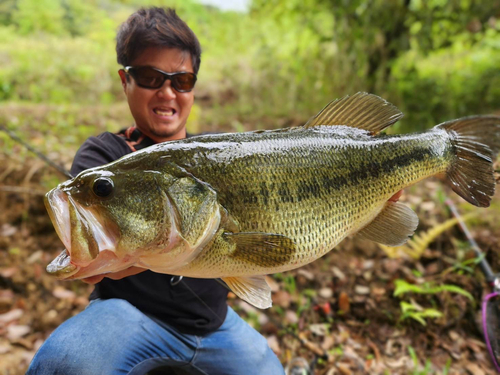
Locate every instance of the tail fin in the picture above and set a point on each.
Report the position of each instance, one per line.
(476, 143)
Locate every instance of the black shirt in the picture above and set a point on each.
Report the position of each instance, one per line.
(153, 293)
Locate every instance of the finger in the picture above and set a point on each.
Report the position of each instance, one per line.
(124, 273)
(93, 279)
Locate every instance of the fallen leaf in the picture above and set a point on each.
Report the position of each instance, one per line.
(273, 284)
(344, 304)
(16, 331)
(8, 272)
(307, 274)
(60, 292)
(35, 257)
(5, 348)
(361, 289)
(11, 315)
(474, 369)
(368, 264)
(273, 343)
(325, 292)
(328, 343)
(344, 369)
(428, 206)
(291, 317)
(282, 298)
(7, 230)
(338, 273)
(397, 363)
(27, 344)
(319, 329)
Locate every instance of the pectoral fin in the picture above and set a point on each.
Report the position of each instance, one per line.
(253, 289)
(392, 227)
(263, 249)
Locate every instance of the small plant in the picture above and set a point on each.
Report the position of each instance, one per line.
(412, 310)
(403, 287)
(416, 312)
(427, 367)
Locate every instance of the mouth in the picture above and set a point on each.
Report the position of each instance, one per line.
(82, 232)
(164, 111)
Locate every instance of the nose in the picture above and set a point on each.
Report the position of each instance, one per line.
(167, 91)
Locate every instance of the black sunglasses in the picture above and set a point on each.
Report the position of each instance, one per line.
(151, 78)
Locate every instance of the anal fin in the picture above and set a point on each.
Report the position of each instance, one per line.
(253, 289)
(393, 226)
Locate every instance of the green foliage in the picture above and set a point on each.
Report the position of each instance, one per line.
(403, 287)
(412, 310)
(428, 365)
(416, 312)
(284, 59)
(34, 16)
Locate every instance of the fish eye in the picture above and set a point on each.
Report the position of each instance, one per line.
(103, 187)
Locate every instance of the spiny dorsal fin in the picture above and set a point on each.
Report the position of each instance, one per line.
(362, 110)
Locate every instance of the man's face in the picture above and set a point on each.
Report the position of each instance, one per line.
(161, 114)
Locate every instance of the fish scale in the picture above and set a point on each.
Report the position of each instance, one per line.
(272, 159)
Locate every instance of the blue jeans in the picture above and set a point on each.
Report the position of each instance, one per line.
(113, 337)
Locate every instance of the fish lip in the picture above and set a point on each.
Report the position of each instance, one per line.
(56, 203)
(61, 267)
(59, 203)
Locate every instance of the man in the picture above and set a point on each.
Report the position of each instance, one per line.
(138, 320)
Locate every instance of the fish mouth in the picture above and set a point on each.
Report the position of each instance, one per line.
(82, 232)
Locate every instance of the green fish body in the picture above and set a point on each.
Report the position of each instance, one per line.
(240, 206)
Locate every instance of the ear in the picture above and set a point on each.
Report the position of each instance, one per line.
(123, 77)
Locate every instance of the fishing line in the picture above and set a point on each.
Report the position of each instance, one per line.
(201, 300)
(59, 168)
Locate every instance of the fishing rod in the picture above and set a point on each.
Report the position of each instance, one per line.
(491, 302)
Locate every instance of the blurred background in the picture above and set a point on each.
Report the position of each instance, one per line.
(265, 65)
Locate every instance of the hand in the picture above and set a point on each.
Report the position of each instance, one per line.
(114, 275)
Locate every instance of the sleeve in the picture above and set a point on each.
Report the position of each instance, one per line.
(97, 151)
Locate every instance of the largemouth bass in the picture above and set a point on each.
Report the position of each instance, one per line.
(241, 206)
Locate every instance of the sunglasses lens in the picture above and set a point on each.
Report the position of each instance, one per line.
(183, 81)
(491, 325)
(147, 77)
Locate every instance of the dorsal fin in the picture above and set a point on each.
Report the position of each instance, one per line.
(361, 110)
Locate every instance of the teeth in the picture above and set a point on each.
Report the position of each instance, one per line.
(161, 112)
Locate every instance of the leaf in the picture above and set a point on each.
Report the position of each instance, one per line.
(458, 290)
(403, 287)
